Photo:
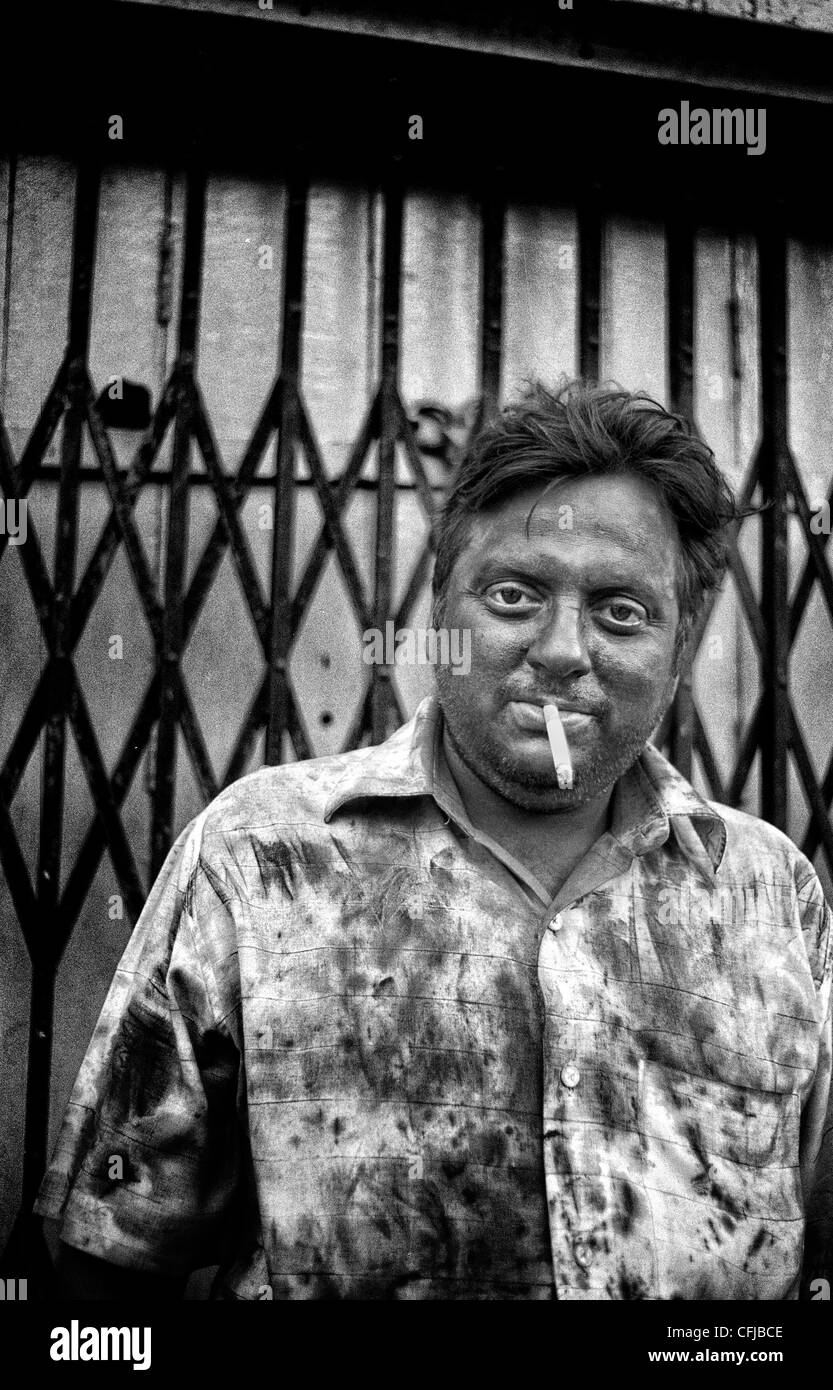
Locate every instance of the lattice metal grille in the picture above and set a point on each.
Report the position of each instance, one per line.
(64, 603)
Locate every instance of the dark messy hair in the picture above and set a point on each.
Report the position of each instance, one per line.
(579, 430)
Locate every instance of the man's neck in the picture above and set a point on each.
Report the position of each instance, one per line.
(551, 844)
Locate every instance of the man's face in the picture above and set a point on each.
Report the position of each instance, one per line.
(582, 612)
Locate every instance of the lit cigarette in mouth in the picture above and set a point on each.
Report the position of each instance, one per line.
(559, 748)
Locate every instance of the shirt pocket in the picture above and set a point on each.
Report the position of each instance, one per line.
(709, 1117)
(722, 1180)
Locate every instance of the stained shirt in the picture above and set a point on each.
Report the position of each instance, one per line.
(355, 1049)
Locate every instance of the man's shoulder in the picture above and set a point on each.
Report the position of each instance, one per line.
(756, 846)
(762, 859)
(753, 851)
(283, 795)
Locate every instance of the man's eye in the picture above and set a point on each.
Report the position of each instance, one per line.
(622, 614)
(509, 595)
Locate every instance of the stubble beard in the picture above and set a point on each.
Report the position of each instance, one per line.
(527, 788)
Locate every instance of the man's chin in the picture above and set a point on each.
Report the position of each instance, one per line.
(530, 782)
(533, 792)
(549, 801)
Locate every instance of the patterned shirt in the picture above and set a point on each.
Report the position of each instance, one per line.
(355, 1049)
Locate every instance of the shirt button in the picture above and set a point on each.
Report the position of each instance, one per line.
(583, 1254)
(570, 1076)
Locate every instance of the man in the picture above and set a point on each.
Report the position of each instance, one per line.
(416, 1022)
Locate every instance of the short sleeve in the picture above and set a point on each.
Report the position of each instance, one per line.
(147, 1164)
(817, 1119)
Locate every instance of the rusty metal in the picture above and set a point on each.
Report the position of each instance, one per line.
(590, 284)
(382, 696)
(680, 277)
(279, 706)
(54, 757)
(772, 262)
(493, 216)
(171, 646)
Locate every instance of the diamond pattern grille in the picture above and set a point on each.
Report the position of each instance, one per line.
(166, 711)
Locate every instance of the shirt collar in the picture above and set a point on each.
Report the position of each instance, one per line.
(649, 800)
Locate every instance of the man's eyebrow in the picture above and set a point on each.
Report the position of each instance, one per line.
(540, 567)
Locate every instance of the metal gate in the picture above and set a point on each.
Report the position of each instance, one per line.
(64, 600)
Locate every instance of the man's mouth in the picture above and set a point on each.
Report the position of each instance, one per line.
(529, 716)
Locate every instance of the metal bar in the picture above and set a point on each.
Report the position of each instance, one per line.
(197, 749)
(341, 490)
(493, 213)
(332, 518)
(752, 612)
(38, 1074)
(362, 721)
(682, 720)
(707, 758)
(82, 603)
(102, 796)
(25, 738)
(146, 588)
(34, 718)
(680, 274)
(816, 568)
(215, 548)
(590, 282)
(776, 724)
(280, 634)
(161, 477)
(388, 431)
(17, 878)
(819, 813)
(7, 277)
(86, 865)
(815, 833)
(235, 535)
(45, 426)
(412, 454)
(746, 757)
(62, 661)
(111, 536)
(420, 575)
(170, 655)
(52, 796)
(123, 517)
(296, 732)
(31, 556)
(138, 739)
(253, 722)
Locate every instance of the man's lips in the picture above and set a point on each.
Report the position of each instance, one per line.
(529, 714)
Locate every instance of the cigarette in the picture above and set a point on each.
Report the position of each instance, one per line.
(559, 748)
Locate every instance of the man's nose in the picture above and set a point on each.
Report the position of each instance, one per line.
(560, 646)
